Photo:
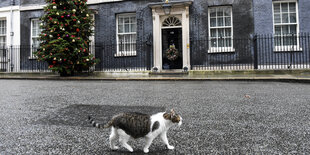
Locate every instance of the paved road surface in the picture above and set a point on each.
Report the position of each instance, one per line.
(49, 117)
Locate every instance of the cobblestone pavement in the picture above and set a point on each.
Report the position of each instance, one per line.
(49, 117)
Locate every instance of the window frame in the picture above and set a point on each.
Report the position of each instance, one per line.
(125, 53)
(33, 49)
(285, 48)
(6, 30)
(92, 37)
(4, 35)
(220, 49)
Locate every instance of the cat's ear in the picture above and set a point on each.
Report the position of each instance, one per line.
(172, 112)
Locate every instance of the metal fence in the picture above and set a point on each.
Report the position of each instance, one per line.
(260, 52)
(282, 52)
(28, 62)
(113, 57)
(222, 54)
(20, 59)
(124, 57)
(3, 59)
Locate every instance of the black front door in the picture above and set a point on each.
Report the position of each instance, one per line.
(172, 48)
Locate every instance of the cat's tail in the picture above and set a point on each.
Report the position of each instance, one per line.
(97, 125)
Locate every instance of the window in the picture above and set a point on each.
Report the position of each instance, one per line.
(3, 31)
(126, 35)
(285, 21)
(35, 35)
(35, 32)
(220, 29)
(92, 37)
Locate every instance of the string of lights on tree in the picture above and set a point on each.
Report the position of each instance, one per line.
(66, 28)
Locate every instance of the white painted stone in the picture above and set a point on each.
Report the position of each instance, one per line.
(181, 12)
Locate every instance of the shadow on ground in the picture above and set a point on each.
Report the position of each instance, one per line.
(77, 115)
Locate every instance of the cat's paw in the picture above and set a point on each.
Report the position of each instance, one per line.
(170, 147)
(145, 150)
(114, 148)
(130, 150)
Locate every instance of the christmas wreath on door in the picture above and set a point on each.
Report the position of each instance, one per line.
(172, 53)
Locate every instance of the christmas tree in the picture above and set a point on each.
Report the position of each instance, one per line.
(66, 28)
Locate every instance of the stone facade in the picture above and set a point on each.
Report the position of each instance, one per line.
(5, 3)
(264, 27)
(263, 19)
(106, 18)
(249, 17)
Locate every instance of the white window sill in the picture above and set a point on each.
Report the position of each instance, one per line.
(221, 50)
(125, 54)
(287, 49)
(32, 57)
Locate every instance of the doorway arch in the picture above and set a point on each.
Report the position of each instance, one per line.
(172, 49)
(177, 19)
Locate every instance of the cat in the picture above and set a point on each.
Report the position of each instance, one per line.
(137, 125)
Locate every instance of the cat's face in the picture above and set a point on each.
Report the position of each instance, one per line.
(177, 119)
(174, 117)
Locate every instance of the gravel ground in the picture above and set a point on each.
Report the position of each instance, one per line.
(49, 117)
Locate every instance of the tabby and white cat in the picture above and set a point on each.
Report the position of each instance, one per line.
(136, 125)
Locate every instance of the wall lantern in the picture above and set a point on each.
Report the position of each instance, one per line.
(155, 69)
(185, 69)
(167, 7)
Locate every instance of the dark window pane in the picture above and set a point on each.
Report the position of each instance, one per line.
(220, 12)
(292, 17)
(212, 12)
(277, 18)
(276, 8)
(293, 29)
(220, 21)
(227, 32)
(277, 41)
(227, 21)
(213, 33)
(278, 30)
(213, 22)
(221, 33)
(285, 18)
(221, 42)
(284, 7)
(292, 7)
(285, 29)
(228, 42)
(213, 43)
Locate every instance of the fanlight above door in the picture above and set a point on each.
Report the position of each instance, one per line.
(172, 22)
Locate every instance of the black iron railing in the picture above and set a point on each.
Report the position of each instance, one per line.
(29, 62)
(263, 52)
(290, 51)
(4, 61)
(260, 52)
(20, 59)
(211, 55)
(124, 57)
